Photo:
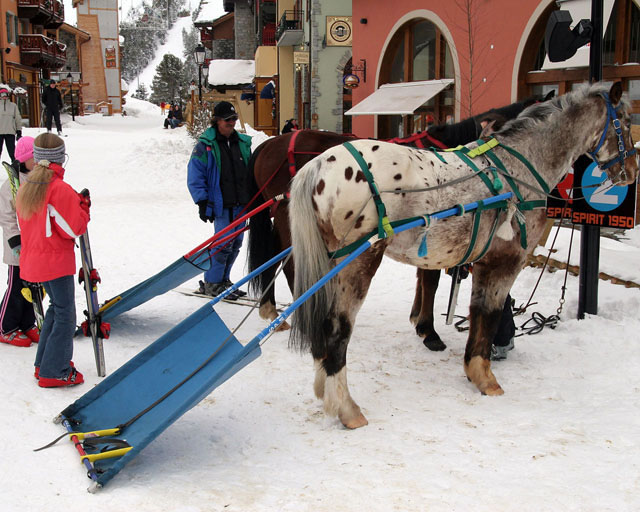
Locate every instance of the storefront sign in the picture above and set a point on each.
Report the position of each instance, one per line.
(587, 196)
(110, 56)
(301, 57)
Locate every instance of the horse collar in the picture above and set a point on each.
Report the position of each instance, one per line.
(623, 153)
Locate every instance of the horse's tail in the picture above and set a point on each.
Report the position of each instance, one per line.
(261, 245)
(311, 263)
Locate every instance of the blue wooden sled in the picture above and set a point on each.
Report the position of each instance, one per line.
(167, 279)
(135, 404)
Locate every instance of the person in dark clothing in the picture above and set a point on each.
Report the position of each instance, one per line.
(290, 126)
(52, 101)
(174, 118)
(219, 181)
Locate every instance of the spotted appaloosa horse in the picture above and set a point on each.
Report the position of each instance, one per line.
(276, 161)
(332, 206)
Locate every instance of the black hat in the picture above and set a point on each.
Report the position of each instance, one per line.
(224, 110)
(52, 81)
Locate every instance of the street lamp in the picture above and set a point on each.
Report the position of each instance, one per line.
(73, 107)
(205, 74)
(199, 54)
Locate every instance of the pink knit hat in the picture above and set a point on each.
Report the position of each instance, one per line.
(24, 148)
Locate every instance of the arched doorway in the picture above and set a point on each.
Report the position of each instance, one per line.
(417, 51)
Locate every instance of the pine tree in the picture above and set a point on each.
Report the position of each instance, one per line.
(169, 81)
(190, 40)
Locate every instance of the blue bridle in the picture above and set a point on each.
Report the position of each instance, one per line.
(623, 153)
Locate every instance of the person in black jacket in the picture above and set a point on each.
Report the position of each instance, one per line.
(290, 126)
(52, 100)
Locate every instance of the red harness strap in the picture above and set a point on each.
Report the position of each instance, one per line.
(291, 154)
(417, 138)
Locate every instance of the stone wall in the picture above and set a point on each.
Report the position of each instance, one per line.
(223, 49)
(245, 37)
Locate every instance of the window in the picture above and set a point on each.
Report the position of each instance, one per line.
(418, 51)
(9, 28)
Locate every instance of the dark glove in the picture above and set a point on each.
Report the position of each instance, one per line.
(15, 245)
(202, 207)
(85, 199)
(18, 134)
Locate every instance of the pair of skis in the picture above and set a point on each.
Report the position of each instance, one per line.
(32, 292)
(93, 325)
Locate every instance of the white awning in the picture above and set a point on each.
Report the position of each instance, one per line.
(399, 99)
(580, 10)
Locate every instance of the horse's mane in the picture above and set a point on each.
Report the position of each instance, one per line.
(539, 112)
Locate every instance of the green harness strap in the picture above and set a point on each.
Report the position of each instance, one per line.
(384, 227)
(522, 205)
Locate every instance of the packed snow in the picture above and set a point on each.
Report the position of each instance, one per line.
(563, 436)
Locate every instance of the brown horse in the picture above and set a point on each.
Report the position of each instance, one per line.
(276, 161)
(333, 205)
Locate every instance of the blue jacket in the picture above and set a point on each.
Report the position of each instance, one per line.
(203, 171)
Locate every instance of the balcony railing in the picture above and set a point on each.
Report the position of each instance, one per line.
(269, 34)
(289, 31)
(39, 51)
(49, 13)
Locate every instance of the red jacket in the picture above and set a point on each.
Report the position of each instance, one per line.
(47, 251)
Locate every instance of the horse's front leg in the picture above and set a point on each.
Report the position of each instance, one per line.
(491, 284)
(422, 310)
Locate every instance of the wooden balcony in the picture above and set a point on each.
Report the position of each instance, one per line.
(49, 13)
(39, 51)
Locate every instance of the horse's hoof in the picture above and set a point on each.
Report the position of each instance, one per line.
(284, 326)
(434, 343)
(357, 422)
(493, 390)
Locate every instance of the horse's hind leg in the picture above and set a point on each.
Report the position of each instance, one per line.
(422, 310)
(491, 284)
(330, 383)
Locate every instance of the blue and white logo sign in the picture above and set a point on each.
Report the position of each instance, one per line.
(599, 192)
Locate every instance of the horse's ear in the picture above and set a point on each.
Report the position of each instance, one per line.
(551, 94)
(488, 129)
(615, 93)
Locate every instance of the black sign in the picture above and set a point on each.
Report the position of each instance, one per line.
(586, 196)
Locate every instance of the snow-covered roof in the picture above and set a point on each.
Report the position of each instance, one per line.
(231, 71)
(124, 86)
(210, 10)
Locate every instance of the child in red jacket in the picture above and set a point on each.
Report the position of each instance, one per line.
(51, 216)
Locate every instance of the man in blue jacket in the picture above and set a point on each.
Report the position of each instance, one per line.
(220, 184)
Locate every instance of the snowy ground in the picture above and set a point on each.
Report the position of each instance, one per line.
(563, 437)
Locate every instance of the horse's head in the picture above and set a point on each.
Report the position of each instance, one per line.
(613, 148)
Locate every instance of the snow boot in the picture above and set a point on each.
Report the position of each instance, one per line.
(36, 371)
(499, 352)
(72, 379)
(238, 293)
(16, 338)
(33, 334)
